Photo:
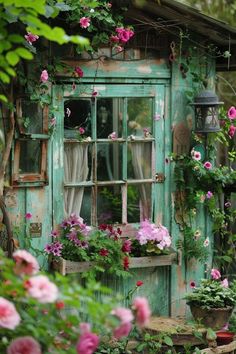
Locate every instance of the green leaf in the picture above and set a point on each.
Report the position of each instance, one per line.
(15, 38)
(10, 71)
(24, 53)
(168, 341)
(3, 98)
(4, 77)
(12, 58)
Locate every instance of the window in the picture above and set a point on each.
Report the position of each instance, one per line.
(30, 150)
(110, 179)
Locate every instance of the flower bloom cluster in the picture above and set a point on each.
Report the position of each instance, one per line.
(157, 235)
(31, 38)
(121, 37)
(232, 117)
(84, 22)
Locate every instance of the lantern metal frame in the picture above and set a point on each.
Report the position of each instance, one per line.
(206, 106)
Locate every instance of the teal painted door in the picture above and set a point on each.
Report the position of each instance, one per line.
(109, 160)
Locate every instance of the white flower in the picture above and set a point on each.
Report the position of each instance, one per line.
(206, 242)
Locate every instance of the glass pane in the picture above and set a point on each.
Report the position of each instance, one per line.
(139, 202)
(77, 162)
(32, 117)
(109, 117)
(109, 205)
(109, 161)
(77, 114)
(139, 160)
(30, 156)
(140, 115)
(78, 200)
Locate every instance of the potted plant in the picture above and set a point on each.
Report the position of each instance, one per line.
(77, 247)
(213, 301)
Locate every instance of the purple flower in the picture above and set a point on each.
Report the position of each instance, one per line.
(54, 233)
(209, 195)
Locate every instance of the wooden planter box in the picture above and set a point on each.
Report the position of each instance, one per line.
(64, 266)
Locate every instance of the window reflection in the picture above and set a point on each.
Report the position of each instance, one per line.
(109, 117)
(139, 202)
(139, 115)
(30, 156)
(77, 114)
(109, 205)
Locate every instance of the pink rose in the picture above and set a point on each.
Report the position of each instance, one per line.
(124, 34)
(127, 246)
(44, 76)
(28, 216)
(42, 289)
(24, 345)
(114, 39)
(31, 37)
(232, 113)
(112, 136)
(84, 22)
(81, 130)
(225, 283)
(231, 131)
(215, 274)
(25, 263)
(88, 343)
(126, 317)
(9, 317)
(207, 165)
(142, 311)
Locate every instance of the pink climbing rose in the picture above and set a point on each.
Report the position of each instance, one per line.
(231, 131)
(84, 22)
(225, 283)
(142, 311)
(215, 274)
(24, 345)
(25, 263)
(78, 72)
(42, 289)
(88, 343)
(28, 216)
(232, 113)
(125, 316)
(9, 317)
(207, 165)
(44, 76)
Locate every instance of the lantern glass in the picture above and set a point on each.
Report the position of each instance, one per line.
(206, 118)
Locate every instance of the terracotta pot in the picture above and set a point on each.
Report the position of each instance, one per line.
(214, 317)
(224, 337)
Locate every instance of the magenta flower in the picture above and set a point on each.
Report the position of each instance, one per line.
(28, 216)
(207, 165)
(79, 72)
(94, 93)
(209, 195)
(44, 76)
(31, 37)
(192, 285)
(124, 34)
(24, 345)
(112, 136)
(84, 22)
(88, 343)
(123, 330)
(215, 274)
(103, 252)
(42, 289)
(114, 39)
(127, 246)
(25, 263)
(231, 131)
(81, 130)
(54, 233)
(9, 317)
(232, 113)
(142, 311)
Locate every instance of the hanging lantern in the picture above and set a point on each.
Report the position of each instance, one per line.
(206, 112)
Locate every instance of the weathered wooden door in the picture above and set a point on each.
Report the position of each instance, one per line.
(113, 168)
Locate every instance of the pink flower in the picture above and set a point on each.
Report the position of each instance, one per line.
(54, 233)
(125, 316)
(225, 283)
(232, 113)
(81, 130)
(28, 216)
(112, 136)
(109, 5)
(207, 165)
(142, 311)
(25, 263)
(79, 72)
(209, 195)
(124, 34)
(118, 49)
(206, 242)
(88, 343)
(127, 246)
(31, 37)
(123, 330)
(94, 93)
(192, 284)
(231, 131)
(24, 345)
(42, 289)
(9, 317)
(84, 22)
(114, 39)
(215, 274)
(44, 76)
(196, 155)
(139, 283)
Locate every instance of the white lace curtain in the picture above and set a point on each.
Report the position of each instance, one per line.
(75, 170)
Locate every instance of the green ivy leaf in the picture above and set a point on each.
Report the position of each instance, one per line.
(4, 77)
(24, 53)
(3, 98)
(12, 58)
